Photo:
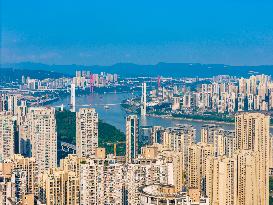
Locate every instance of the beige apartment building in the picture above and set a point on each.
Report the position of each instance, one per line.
(155, 165)
(221, 180)
(86, 132)
(29, 166)
(101, 182)
(41, 130)
(178, 139)
(18, 180)
(252, 133)
(59, 187)
(7, 135)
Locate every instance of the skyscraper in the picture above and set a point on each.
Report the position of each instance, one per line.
(12, 185)
(221, 180)
(7, 135)
(29, 166)
(132, 130)
(59, 187)
(143, 100)
(252, 133)
(101, 181)
(271, 153)
(86, 132)
(179, 138)
(176, 103)
(246, 187)
(73, 97)
(43, 137)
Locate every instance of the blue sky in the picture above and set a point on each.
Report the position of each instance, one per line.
(104, 32)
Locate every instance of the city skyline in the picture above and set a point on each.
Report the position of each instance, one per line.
(147, 102)
(68, 154)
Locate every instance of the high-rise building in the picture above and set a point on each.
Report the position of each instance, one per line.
(72, 163)
(29, 166)
(62, 185)
(231, 180)
(155, 165)
(12, 184)
(18, 180)
(271, 153)
(101, 181)
(252, 133)
(143, 100)
(209, 133)
(59, 187)
(157, 134)
(221, 180)
(9, 102)
(193, 168)
(246, 184)
(178, 139)
(7, 135)
(21, 113)
(73, 97)
(176, 103)
(41, 131)
(86, 132)
(132, 131)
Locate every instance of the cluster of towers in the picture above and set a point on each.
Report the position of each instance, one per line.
(225, 167)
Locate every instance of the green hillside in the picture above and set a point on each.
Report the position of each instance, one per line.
(108, 134)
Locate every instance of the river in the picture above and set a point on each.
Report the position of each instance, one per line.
(115, 115)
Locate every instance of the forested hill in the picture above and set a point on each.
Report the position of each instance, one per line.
(108, 134)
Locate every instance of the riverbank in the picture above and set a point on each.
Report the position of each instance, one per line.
(170, 117)
(108, 134)
(116, 114)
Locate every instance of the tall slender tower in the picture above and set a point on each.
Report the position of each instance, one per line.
(252, 133)
(158, 82)
(91, 83)
(7, 131)
(131, 137)
(41, 129)
(73, 97)
(143, 100)
(86, 132)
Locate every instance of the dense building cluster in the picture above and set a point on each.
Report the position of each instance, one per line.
(161, 165)
(83, 79)
(28, 83)
(219, 95)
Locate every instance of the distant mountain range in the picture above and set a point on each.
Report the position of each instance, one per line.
(160, 69)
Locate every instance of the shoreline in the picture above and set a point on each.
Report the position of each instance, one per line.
(189, 119)
(195, 120)
(159, 116)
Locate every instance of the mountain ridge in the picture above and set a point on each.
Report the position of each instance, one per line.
(161, 68)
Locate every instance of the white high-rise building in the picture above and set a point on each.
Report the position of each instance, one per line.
(101, 181)
(86, 132)
(143, 100)
(132, 131)
(176, 103)
(7, 134)
(41, 130)
(73, 98)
